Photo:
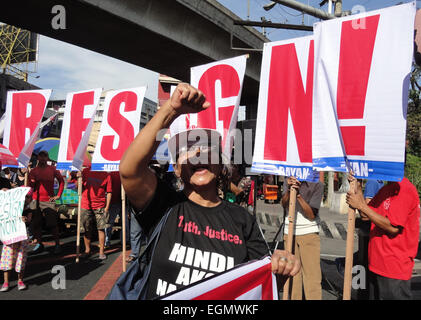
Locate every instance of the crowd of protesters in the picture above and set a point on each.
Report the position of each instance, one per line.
(219, 197)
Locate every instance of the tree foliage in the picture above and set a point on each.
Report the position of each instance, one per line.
(413, 132)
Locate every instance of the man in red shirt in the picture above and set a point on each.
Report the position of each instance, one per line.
(393, 244)
(41, 180)
(96, 199)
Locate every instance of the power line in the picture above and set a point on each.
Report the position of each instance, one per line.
(294, 15)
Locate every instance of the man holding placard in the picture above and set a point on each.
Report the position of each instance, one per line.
(96, 200)
(307, 240)
(394, 214)
(41, 179)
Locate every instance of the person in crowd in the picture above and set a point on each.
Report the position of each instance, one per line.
(19, 180)
(16, 176)
(250, 199)
(394, 213)
(199, 223)
(115, 210)
(306, 241)
(96, 200)
(370, 190)
(41, 180)
(137, 239)
(5, 183)
(9, 174)
(15, 254)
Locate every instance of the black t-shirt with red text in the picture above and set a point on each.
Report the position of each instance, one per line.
(196, 242)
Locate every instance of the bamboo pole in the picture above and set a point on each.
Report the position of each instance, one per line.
(25, 183)
(79, 192)
(349, 256)
(290, 236)
(123, 224)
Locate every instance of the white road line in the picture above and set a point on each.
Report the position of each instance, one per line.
(333, 230)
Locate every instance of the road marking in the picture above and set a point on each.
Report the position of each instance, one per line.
(333, 230)
(104, 285)
(268, 219)
(328, 229)
(325, 229)
(326, 255)
(341, 230)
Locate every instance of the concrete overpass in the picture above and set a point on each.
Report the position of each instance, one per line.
(166, 36)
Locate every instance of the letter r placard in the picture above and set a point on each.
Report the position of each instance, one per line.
(24, 110)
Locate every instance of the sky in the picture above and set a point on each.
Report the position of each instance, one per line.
(67, 68)
(283, 14)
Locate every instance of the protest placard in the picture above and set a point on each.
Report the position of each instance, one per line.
(222, 83)
(284, 115)
(362, 69)
(24, 111)
(79, 111)
(120, 125)
(250, 281)
(12, 228)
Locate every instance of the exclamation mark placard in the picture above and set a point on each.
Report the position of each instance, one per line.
(357, 45)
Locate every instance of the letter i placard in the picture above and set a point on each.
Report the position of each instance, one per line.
(362, 76)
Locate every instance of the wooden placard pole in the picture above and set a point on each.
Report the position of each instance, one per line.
(290, 236)
(79, 205)
(349, 255)
(123, 224)
(25, 182)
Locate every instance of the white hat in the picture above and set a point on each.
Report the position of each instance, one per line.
(199, 136)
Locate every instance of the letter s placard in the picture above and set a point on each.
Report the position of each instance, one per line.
(119, 127)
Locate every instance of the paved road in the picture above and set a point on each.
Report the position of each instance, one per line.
(59, 277)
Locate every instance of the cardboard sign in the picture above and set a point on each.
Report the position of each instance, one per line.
(12, 228)
(221, 82)
(284, 118)
(80, 109)
(249, 281)
(362, 69)
(24, 111)
(119, 127)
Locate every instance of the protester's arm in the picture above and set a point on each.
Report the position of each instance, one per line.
(84, 175)
(362, 214)
(357, 201)
(108, 202)
(236, 190)
(285, 196)
(109, 191)
(31, 179)
(309, 212)
(138, 180)
(60, 180)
